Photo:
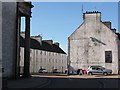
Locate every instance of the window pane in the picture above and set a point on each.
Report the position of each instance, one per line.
(108, 56)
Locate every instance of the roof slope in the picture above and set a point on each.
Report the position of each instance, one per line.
(34, 44)
(118, 35)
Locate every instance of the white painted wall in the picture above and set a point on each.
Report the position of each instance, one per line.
(119, 55)
(45, 59)
(84, 52)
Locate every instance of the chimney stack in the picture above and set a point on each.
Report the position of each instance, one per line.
(92, 16)
(57, 44)
(22, 34)
(108, 24)
(38, 38)
(49, 41)
(114, 30)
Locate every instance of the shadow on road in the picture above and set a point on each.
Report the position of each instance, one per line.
(62, 81)
(84, 83)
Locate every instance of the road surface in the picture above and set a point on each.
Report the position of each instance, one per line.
(76, 81)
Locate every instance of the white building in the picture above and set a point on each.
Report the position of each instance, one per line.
(43, 54)
(94, 43)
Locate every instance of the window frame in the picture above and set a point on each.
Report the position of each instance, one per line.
(108, 56)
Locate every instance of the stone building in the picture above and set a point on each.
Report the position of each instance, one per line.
(0, 39)
(94, 42)
(11, 21)
(43, 54)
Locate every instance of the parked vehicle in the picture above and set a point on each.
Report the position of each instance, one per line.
(42, 70)
(56, 71)
(98, 70)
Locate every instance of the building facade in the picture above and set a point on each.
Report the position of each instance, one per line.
(94, 43)
(11, 16)
(8, 38)
(44, 54)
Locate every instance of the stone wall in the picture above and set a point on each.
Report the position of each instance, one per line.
(8, 38)
(119, 55)
(87, 45)
(0, 45)
(0, 36)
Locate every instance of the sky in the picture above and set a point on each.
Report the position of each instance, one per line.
(58, 20)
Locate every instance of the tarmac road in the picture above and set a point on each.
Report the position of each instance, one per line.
(73, 83)
(63, 81)
(84, 81)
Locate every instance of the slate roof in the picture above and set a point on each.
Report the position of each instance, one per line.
(34, 44)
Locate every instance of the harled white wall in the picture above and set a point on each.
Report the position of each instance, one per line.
(45, 59)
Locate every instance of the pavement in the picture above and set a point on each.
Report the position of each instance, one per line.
(33, 82)
(76, 76)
